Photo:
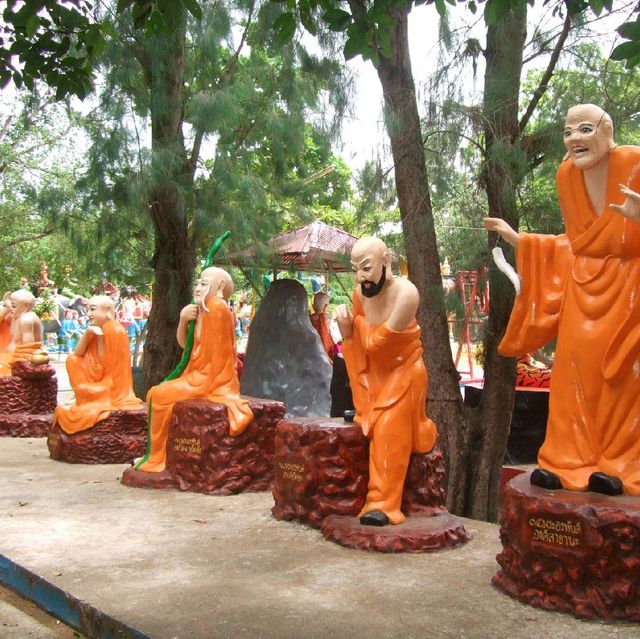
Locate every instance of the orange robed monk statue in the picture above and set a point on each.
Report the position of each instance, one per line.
(26, 331)
(99, 371)
(383, 354)
(211, 371)
(584, 287)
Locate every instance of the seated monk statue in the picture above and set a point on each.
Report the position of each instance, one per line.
(583, 288)
(99, 371)
(320, 321)
(211, 371)
(383, 354)
(5, 323)
(26, 331)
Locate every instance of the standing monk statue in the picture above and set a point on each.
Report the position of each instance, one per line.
(583, 287)
(99, 371)
(383, 354)
(211, 371)
(26, 331)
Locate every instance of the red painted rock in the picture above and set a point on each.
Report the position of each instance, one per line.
(416, 534)
(574, 552)
(27, 400)
(322, 469)
(115, 440)
(202, 457)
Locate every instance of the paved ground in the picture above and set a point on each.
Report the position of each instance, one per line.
(182, 565)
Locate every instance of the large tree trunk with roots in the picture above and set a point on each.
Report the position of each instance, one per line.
(173, 259)
(403, 125)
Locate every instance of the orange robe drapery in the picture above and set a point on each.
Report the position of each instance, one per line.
(5, 334)
(22, 353)
(584, 288)
(389, 384)
(210, 374)
(320, 321)
(101, 383)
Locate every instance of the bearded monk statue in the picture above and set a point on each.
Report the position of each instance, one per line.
(583, 287)
(383, 354)
(211, 372)
(26, 331)
(99, 371)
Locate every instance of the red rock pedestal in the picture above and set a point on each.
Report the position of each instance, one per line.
(321, 477)
(115, 440)
(202, 457)
(27, 400)
(571, 552)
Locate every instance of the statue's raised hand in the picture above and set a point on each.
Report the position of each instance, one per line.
(499, 226)
(631, 206)
(344, 319)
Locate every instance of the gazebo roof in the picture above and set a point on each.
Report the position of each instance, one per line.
(314, 247)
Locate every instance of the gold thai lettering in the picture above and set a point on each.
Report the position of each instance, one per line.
(187, 445)
(556, 532)
(291, 471)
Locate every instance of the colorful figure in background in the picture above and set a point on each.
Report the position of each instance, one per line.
(320, 320)
(99, 371)
(26, 331)
(211, 371)
(584, 287)
(69, 331)
(383, 354)
(6, 315)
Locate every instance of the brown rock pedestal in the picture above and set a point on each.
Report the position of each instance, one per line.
(202, 457)
(321, 477)
(27, 400)
(571, 552)
(115, 440)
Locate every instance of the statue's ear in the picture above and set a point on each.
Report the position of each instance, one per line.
(221, 286)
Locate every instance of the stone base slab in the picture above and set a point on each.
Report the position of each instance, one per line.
(416, 534)
(574, 552)
(322, 469)
(202, 457)
(25, 425)
(116, 440)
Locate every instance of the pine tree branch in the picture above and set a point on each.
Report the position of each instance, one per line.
(25, 238)
(544, 81)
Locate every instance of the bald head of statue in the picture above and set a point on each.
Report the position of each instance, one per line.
(371, 263)
(212, 281)
(588, 135)
(100, 309)
(22, 301)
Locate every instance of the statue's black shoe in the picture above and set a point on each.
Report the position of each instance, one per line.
(374, 518)
(349, 416)
(545, 479)
(605, 484)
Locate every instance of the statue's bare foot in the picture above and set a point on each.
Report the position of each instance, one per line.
(605, 484)
(374, 518)
(545, 479)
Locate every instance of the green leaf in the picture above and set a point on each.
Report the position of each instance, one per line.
(626, 51)
(337, 19)
(630, 30)
(473, 7)
(441, 8)
(357, 44)
(285, 26)
(596, 6)
(32, 25)
(193, 7)
(307, 21)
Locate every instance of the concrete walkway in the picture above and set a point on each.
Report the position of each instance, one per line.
(183, 565)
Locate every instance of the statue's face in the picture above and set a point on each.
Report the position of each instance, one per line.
(203, 286)
(587, 136)
(99, 313)
(20, 303)
(368, 264)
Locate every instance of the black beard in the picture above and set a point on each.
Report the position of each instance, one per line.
(373, 289)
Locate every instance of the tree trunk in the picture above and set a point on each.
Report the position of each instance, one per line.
(171, 178)
(501, 176)
(403, 125)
